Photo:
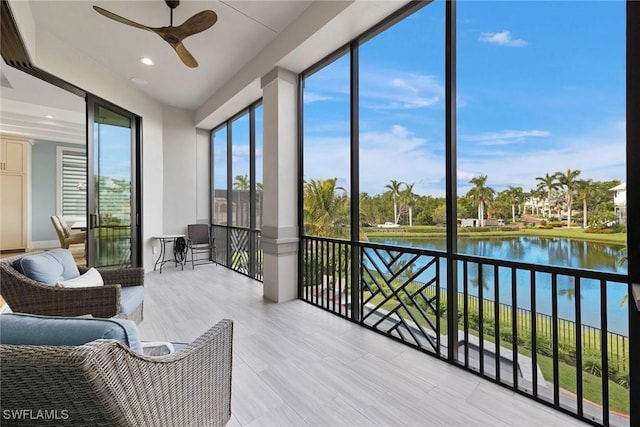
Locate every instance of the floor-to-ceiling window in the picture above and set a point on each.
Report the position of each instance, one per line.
(540, 146)
(113, 228)
(401, 125)
(484, 149)
(236, 191)
(327, 184)
(240, 161)
(259, 167)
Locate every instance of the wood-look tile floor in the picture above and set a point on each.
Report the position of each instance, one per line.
(297, 365)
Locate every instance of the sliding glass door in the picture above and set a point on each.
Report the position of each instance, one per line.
(112, 210)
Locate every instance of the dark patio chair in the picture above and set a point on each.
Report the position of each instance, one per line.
(199, 241)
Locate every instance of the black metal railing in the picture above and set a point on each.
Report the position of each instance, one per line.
(524, 326)
(239, 249)
(326, 275)
(112, 246)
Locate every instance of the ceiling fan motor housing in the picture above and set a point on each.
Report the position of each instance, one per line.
(172, 3)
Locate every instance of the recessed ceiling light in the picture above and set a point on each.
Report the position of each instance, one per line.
(139, 81)
(49, 116)
(146, 61)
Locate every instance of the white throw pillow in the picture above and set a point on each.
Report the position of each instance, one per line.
(91, 278)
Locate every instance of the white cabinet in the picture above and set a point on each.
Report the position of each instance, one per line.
(13, 193)
(12, 156)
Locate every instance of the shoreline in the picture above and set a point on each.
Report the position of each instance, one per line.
(435, 232)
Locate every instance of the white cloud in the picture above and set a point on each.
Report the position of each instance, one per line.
(502, 38)
(395, 153)
(310, 97)
(398, 90)
(465, 176)
(240, 155)
(327, 157)
(398, 138)
(328, 127)
(398, 153)
(597, 157)
(505, 137)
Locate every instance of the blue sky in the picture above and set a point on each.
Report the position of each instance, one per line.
(114, 158)
(540, 89)
(240, 149)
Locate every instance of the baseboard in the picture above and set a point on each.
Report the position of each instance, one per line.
(44, 244)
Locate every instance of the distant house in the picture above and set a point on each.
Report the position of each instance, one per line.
(620, 202)
(468, 222)
(389, 224)
(474, 222)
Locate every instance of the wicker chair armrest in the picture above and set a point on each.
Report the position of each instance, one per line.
(124, 277)
(29, 296)
(190, 387)
(33, 297)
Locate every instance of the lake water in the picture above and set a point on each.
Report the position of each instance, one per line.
(543, 251)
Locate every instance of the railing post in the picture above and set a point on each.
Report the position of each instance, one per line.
(356, 308)
(451, 174)
(633, 201)
(356, 303)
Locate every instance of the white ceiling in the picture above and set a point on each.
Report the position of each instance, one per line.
(242, 30)
(25, 103)
(289, 33)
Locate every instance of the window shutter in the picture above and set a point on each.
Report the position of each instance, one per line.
(74, 184)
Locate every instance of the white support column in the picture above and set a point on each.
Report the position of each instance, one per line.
(280, 203)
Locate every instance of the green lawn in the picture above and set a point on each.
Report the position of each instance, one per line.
(431, 231)
(592, 384)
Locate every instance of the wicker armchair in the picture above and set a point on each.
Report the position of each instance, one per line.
(25, 295)
(66, 237)
(104, 383)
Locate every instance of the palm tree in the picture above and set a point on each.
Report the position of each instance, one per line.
(515, 196)
(585, 191)
(569, 182)
(241, 183)
(548, 183)
(539, 195)
(326, 208)
(394, 186)
(480, 194)
(409, 199)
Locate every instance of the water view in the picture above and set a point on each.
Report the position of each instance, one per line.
(543, 251)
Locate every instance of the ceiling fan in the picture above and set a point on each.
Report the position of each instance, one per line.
(173, 35)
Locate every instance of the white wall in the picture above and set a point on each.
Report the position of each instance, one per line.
(175, 163)
(56, 58)
(179, 147)
(203, 148)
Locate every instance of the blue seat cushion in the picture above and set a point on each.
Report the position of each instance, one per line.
(32, 329)
(48, 267)
(130, 298)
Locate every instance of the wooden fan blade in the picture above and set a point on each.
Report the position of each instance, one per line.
(120, 19)
(185, 55)
(196, 24)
